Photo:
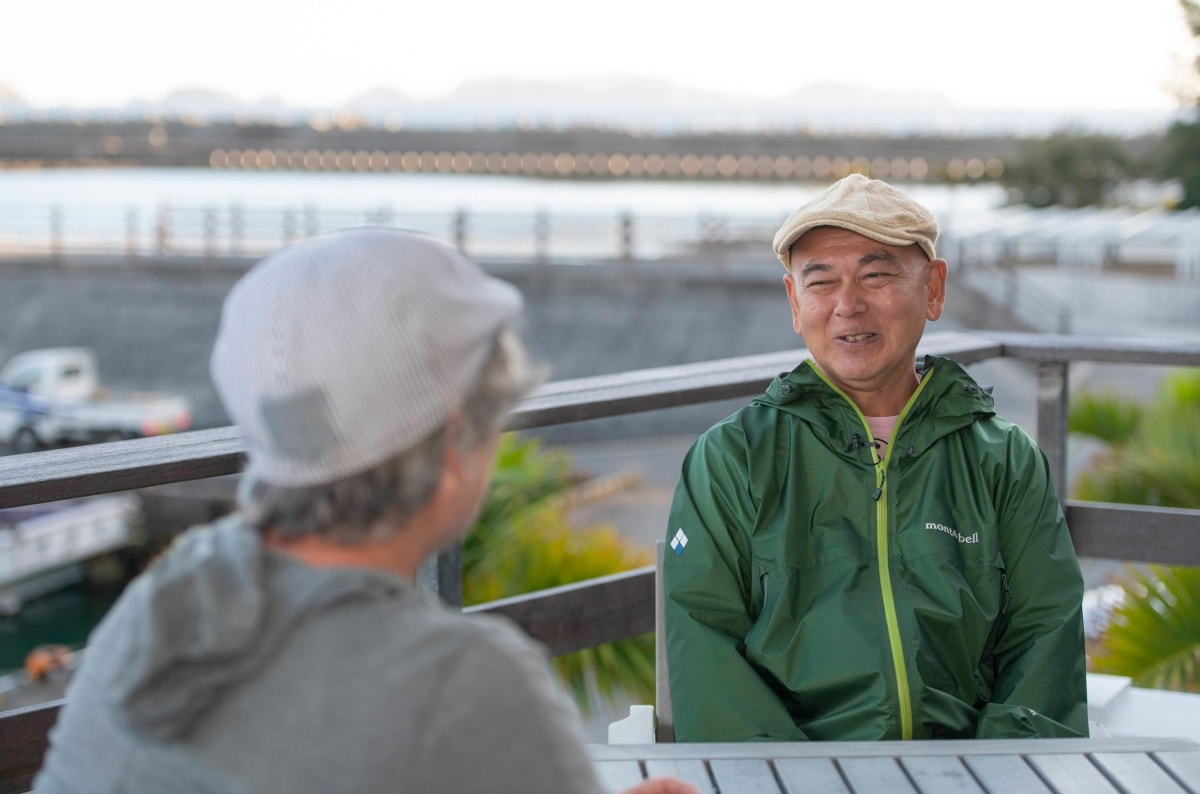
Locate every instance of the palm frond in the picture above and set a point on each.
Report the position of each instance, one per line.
(1107, 417)
(524, 541)
(1154, 636)
(1159, 463)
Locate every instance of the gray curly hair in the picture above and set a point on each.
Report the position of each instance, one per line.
(350, 510)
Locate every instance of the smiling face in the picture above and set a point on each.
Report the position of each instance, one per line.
(861, 306)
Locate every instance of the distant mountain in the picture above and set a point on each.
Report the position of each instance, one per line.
(379, 97)
(648, 105)
(614, 101)
(380, 105)
(199, 100)
(203, 103)
(616, 89)
(661, 106)
(846, 95)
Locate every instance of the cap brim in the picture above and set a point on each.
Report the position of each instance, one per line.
(783, 243)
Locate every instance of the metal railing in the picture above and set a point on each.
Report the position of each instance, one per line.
(618, 607)
(244, 231)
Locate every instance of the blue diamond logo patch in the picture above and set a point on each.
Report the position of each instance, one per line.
(678, 542)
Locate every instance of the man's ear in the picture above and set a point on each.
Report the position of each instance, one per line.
(936, 284)
(453, 471)
(793, 292)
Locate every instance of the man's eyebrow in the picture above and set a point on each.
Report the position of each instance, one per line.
(814, 267)
(865, 259)
(879, 256)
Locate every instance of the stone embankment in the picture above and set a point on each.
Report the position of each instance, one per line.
(152, 327)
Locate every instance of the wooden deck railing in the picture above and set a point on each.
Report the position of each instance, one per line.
(621, 606)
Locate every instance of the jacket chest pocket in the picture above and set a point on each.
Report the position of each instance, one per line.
(962, 571)
(970, 543)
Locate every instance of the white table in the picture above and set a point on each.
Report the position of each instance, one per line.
(1087, 766)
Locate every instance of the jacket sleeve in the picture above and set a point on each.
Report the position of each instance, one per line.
(716, 694)
(1040, 686)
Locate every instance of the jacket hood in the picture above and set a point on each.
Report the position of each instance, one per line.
(205, 616)
(947, 400)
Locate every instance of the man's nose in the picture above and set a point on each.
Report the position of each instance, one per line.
(849, 300)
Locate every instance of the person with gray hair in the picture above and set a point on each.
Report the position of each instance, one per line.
(287, 647)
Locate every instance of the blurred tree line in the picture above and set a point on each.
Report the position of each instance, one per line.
(1073, 169)
(1076, 169)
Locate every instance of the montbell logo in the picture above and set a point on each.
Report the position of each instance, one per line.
(952, 532)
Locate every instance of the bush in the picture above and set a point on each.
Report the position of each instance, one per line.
(1154, 459)
(1107, 417)
(523, 541)
(1154, 634)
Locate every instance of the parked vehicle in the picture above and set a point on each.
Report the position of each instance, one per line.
(53, 396)
(44, 547)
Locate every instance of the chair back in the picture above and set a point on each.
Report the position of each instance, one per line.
(665, 729)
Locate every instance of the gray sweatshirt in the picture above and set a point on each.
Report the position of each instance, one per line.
(228, 667)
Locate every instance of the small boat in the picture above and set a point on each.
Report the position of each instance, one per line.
(44, 548)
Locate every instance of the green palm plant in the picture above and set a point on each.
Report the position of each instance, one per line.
(1107, 416)
(1153, 458)
(523, 541)
(1154, 453)
(1154, 637)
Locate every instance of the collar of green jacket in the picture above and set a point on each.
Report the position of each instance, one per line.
(947, 400)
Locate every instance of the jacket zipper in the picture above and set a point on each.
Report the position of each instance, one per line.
(882, 549)
(895, 640)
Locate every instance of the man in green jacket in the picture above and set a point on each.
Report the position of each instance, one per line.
(867, 551)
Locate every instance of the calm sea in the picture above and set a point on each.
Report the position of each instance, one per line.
(152, 187)
(62, 618)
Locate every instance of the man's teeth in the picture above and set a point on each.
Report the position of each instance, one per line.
(856, 337)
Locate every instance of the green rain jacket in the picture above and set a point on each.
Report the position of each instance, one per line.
(812, 593)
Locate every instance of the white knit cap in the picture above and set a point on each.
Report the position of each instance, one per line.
(342, 351)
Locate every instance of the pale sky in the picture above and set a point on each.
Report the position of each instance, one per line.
(1036, 54)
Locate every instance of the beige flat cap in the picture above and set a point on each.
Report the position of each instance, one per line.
(869, 207)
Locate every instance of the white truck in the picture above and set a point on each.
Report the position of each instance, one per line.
(53, 396)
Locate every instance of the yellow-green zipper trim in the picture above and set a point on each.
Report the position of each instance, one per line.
(903, 694)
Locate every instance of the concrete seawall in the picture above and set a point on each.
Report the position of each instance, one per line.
(152, 327)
